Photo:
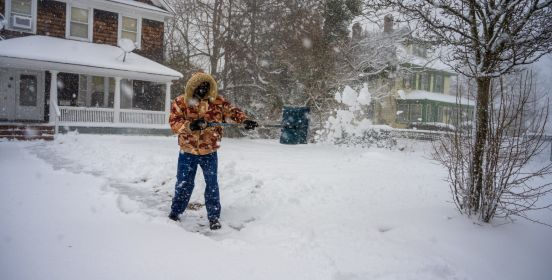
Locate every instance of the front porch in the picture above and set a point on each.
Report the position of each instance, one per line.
(118, 104)
(433, 111)
(83, 85)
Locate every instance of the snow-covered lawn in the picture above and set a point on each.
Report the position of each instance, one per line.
(94, 207)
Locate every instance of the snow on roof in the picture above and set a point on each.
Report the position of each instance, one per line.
(164, 4)
(430, 63)
(77, 53)
(426, 95)
(139, 5)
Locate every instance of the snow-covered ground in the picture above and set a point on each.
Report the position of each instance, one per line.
(94, 207)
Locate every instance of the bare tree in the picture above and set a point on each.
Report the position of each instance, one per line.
(516, 135)
(180, 51)
(374, 56)
(485, 39)
(199, 31)
(264, 53)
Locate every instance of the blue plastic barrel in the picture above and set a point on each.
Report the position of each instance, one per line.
(295, 121)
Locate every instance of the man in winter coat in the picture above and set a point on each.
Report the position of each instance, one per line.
(190, 114)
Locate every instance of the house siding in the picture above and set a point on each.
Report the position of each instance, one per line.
(51, 19)
(105, 27)
(7, 34)
(152, 40)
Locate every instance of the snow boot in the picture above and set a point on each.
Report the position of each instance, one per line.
(214, 224)
(174, 217)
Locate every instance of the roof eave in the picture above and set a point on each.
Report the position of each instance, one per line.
(168, 7)
(106, 4)
(41, 65)
(449, 71)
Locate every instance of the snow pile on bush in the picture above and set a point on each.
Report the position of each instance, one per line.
(351, 125)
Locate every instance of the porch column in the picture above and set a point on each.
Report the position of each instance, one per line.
(117, 100)
(106, 92)
(167, 101)
(53, 95)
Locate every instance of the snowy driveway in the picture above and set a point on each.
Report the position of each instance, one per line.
(94, 207)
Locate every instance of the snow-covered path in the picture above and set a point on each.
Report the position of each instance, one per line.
(94, 207)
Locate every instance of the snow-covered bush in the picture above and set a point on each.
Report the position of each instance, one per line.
(351, 125)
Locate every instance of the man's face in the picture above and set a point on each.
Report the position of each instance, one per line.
(202, 90)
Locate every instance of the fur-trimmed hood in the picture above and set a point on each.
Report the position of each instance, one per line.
(198, 78)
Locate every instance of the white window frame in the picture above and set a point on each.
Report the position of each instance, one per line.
(34, 12)
(138, 26)
(68, 22)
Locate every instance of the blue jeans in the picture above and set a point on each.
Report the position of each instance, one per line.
(187, 167)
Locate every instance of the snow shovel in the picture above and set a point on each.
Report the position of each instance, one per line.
(295, 125)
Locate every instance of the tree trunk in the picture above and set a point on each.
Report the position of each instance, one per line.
(217, 40)
(483, 86)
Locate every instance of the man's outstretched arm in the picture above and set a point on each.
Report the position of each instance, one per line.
(232, 113)
(177, 119)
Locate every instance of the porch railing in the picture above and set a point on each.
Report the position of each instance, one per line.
(106, 116)
(86, 115)
(142, 117)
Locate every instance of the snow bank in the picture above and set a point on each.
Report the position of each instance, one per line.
(352, 126)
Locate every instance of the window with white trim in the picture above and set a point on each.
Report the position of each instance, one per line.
(21, 15)
(129, 28)
(79, 23)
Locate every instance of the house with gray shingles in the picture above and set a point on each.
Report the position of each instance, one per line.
(61, 66)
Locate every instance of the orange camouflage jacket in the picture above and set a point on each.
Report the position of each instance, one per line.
(185, 109)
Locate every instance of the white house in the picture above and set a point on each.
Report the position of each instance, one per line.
(61, 66)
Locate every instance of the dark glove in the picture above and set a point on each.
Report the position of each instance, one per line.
(249, 124)
(198, 124)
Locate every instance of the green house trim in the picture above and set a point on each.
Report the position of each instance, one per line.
(430, 110)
